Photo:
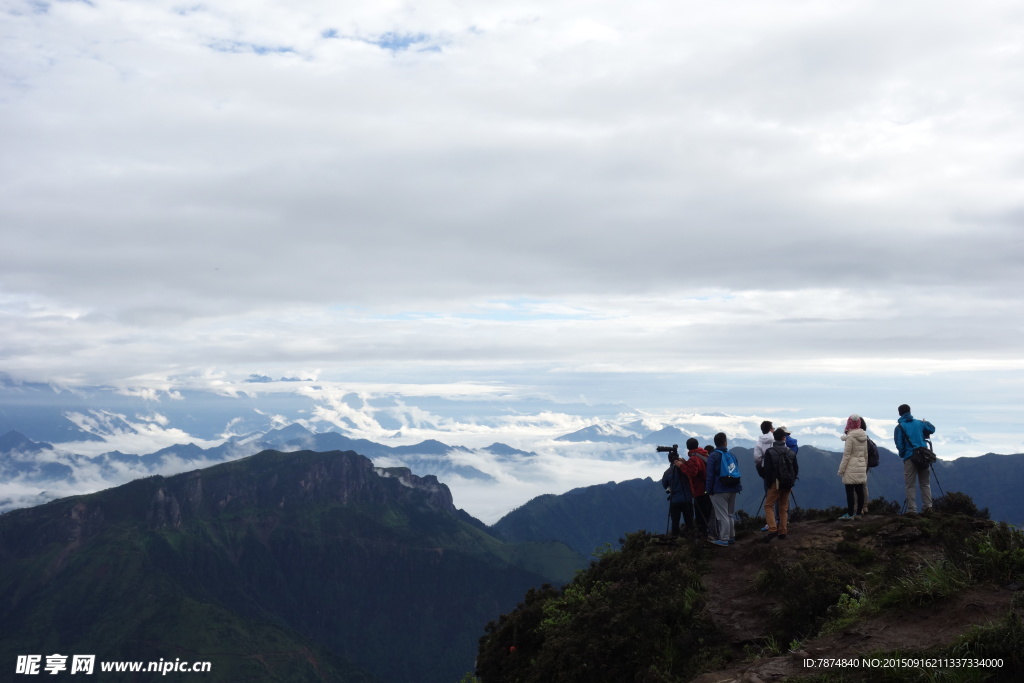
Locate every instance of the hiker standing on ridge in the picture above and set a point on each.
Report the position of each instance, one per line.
(695, 467)
(764, 442)
(722, 484)
(911, 434)
(854, 467)
(791, 441)
(680, 500)
(780, 473)
(872, 462)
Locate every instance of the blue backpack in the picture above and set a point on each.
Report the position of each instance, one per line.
(729, 473)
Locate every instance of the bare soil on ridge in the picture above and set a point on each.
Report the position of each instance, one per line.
(744, 614)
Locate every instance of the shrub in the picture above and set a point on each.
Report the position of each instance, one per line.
(997, 555)
(881, 506)
(1003, 640)
(808, 587)
(926, 584)
(635, 614)
(854, 553)
(852, 605)
(957, 503)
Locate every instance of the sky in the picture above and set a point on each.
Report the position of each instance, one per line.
(761, 208)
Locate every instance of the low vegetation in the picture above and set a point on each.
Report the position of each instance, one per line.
(638, 610)
(641, 613)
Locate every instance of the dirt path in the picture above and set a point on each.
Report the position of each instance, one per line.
(743, 613)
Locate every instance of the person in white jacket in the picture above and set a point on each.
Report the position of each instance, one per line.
(854, 467)
(763, 443)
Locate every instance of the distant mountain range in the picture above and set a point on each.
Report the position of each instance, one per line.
(306, 565)
(41, 465)
(636, 433)
(296, 566)
(992, 480)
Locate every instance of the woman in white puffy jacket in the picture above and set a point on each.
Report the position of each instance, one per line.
(854, 467)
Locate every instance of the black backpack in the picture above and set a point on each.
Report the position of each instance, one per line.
(872, 454)
(785, 467)
(921, 456)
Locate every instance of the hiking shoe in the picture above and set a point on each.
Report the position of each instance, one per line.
(782, 537)
(764, 528)
(724, 544)
(846, 517)
(732, 541)
(770, 536)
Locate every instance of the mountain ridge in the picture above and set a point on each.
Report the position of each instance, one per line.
(317, 552)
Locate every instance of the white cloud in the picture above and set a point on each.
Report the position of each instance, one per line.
(141, 435)
(553, 198)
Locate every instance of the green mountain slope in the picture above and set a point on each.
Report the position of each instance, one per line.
(895, 597)
(279, 567)
(587, 518)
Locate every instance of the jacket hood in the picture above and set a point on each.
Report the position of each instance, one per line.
(856, 435)
(906, 417)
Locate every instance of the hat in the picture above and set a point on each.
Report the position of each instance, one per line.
(783, 430)
(780, 433)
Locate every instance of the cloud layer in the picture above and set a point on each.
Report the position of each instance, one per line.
(565, 198)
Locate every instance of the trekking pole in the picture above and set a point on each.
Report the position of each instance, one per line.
(760, 507)
(941, 492)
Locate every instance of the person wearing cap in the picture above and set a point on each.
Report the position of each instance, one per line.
(790, 440)
(777, 497)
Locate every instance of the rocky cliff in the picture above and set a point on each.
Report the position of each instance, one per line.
(281, 566)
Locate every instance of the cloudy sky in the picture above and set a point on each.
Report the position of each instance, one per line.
(812, 207)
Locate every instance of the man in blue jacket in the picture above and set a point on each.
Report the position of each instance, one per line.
(723, 493)
(911, 434)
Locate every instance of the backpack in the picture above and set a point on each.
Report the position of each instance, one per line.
(785, 470)
(872, 454)
(729, 472)
(922, 456)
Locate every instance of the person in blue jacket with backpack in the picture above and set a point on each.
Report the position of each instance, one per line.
(722, 484)
(911, 434)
